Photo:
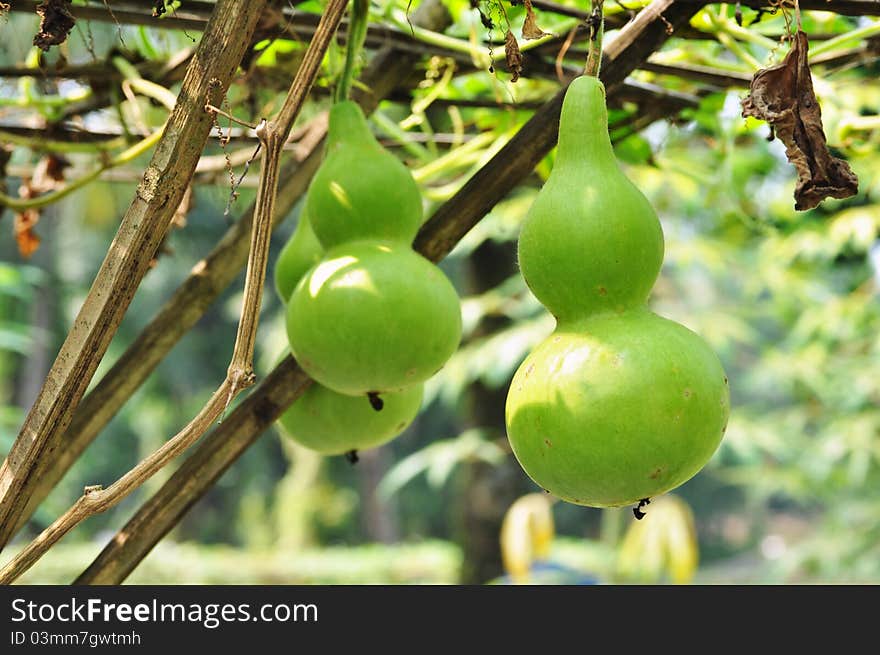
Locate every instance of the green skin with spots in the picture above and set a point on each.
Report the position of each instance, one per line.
(617, 408)
(299, 254)
(361, 191)
(332, 423)
(373, 316)
(618, 404)
(591, 241)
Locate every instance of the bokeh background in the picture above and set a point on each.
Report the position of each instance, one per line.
(788, 300)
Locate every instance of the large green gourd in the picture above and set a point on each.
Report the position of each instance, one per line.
(618, 404)
(361, 191)
(373, 316)
(616, 409)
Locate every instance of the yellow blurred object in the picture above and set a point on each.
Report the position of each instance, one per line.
(526, 535)
(663, 545)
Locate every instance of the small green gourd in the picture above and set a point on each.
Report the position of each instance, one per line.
(361, 191)
(618, 404)
(333, 424)
(591, 241)
(299, 254)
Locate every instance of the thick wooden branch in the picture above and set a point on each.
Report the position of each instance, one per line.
(209, 278)
(96, 499)
(145, 223)
(286, 383)
(198, 473)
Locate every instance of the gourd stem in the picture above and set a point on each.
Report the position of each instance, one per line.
(358, 22)
(597, 30)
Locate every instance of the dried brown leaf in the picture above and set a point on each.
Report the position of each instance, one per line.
(49, 173)
(25, 237)
(56, 21)
(530, 28)
(783, 96)
(513, 55)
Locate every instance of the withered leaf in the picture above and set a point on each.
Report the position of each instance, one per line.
(56, 21)
(25, 237)
(530, 28)
(783, 96)
(513, 55)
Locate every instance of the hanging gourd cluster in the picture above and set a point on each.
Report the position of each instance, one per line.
(368, 318)
(616, 406)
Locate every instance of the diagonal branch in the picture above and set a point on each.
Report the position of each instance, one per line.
(286, 383)
(145, 223)
(240, 374)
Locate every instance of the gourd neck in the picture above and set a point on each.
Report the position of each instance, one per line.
(580, 322)
(347, 124)
(583, 126)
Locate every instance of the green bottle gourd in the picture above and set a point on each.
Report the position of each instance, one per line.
(373, 316)
(321, 419)
(591, 241)
(361, 191)
(618, 404)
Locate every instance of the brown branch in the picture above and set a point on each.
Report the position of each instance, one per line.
(144, 225)
(95, 499)
(287, 382)
(210, 277)
(240, 374)
(650, 95)
(713, 76)
(165, 74)
(197, 474)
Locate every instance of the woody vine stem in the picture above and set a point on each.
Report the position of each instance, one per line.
(596, 21)
(240, 375)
